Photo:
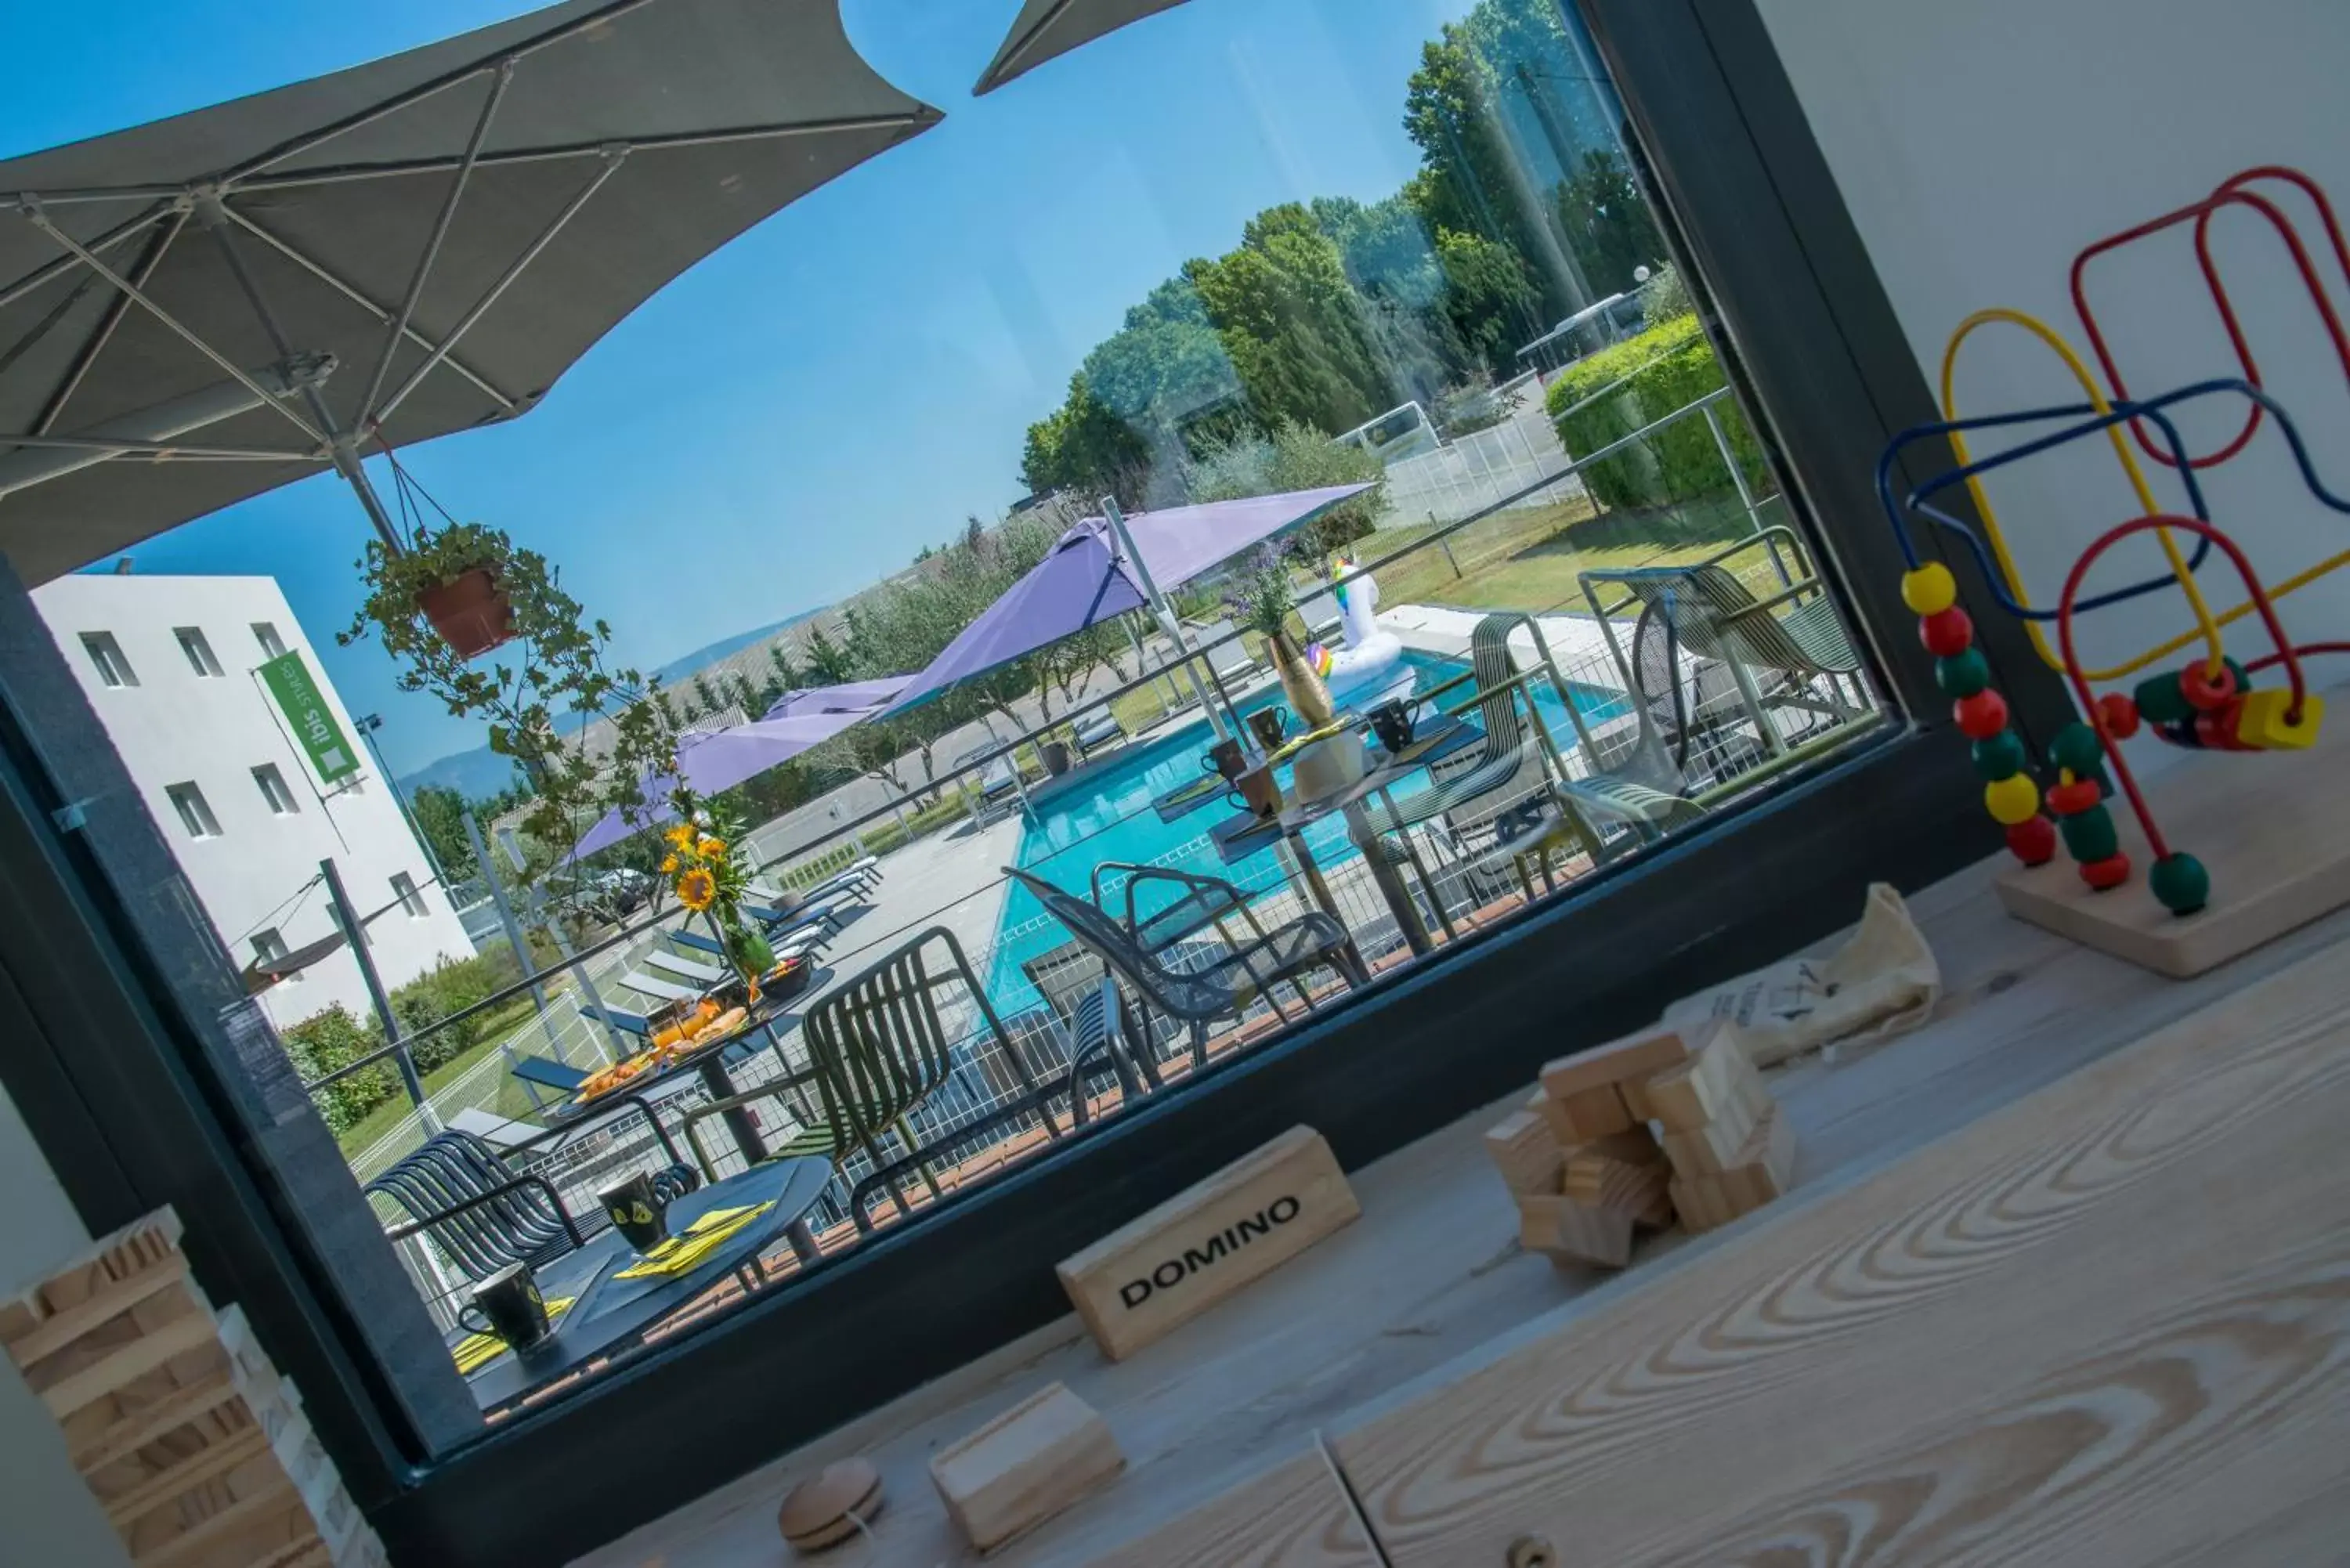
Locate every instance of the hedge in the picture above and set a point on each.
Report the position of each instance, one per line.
(332, 1039)
(1678, 462)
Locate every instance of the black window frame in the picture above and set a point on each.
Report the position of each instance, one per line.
(106, 970)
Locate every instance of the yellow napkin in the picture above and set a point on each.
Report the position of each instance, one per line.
(477, 1350)
(702, 1238)
(1302, 741)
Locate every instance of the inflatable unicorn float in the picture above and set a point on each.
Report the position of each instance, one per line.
(1369, 669)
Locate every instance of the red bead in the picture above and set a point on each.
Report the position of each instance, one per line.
(2073, 799)
(1945, 633)
(2206, 692)
(2117, 711)
(2033, 841)
(2110, 872)
(1981, 716)
(2217, 729)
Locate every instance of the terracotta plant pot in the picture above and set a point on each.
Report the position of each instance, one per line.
(470, 611)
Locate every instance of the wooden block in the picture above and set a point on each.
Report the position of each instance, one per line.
(1719, 1075)
(1025, 1466)
(1634, 1058)
(1764, 1170)
(1567, 1231)
(1524, 1150)
(825, 1510)
(1199, 1246)
(2272, 835)
(1717, 1144)
(1553, 1116)
(121, 1350)
(1588, 1114)
(1641, 1189)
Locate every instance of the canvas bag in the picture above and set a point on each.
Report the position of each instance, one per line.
(1881, 983)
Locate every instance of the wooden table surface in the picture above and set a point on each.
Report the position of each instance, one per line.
(1787, 1392)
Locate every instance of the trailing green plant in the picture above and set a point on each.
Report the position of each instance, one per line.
(553, 672)
(1663, 369)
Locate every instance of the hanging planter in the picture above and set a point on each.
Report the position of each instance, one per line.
(471, 612)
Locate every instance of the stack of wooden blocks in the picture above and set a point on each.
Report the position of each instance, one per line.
(1634, 1136)
(197, 1450)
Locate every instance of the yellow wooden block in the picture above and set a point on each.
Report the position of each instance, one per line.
(1588, 1114)
(1764, 1170)
(1629, 1060)
(1570, 1232)
(1718, 1145)
(1525, 1151)
(1602, 1180)
(1711, 1083)
(2262, 722)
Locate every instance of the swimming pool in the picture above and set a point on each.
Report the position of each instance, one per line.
(1107, 815)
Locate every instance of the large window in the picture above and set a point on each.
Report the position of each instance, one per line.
(1524, 598)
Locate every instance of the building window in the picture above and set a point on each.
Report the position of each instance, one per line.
(107, 654)
(273, 790)
(404, 888)
(195, 815)
(199, 651)
(271, 645)
(268, 947)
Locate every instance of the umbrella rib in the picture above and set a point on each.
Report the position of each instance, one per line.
(1013, 53)
(244, 171)
(923, 117)
(613, 158)
(32, 213)
(160, 449)
(115, 311)
(381, 313)
(431, 253)
(107, 241)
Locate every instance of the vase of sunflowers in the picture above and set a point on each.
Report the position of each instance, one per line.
(709, 879)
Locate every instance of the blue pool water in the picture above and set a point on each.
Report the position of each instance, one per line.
(1107, 815)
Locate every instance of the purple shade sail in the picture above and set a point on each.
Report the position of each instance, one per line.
(851, 697)
(1083, 581)
(718, 760)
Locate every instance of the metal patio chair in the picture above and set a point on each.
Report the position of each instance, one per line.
(879, 1048)
(1195, 998)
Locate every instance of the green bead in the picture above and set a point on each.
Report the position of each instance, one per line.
(2179, 880)
(1962, 674)
(2075, 747)
(2089, 834)
(2160, 702)
(2000, 757)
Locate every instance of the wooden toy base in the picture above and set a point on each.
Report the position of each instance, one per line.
(2272, 828)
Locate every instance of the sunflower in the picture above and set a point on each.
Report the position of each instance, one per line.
(681, 835)
(696, 888)
(711, 848)
(668, 865)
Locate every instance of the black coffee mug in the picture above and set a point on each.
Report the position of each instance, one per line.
(1391, 721)
(1269, 724)
(508, 1306)
(639, 1209)
(1223, 758)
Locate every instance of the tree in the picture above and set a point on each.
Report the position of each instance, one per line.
(1083, 447)
(828, 662)
(1608, 222)
(1293, 324)
(1298, 457)
(706, 695)
(779, 655)
(440, 814)
(1488, 298)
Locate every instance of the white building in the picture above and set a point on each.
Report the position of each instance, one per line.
(249, 802)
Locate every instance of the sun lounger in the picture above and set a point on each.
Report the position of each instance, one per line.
(685, 967)
(1097, 729)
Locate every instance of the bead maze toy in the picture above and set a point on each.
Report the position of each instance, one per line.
(2266, 854)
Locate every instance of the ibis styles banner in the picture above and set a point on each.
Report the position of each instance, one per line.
(313, 722)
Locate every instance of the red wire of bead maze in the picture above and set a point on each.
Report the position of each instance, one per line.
(2229, 194)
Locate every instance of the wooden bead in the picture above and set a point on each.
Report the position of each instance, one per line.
(1981, 716)
(2106, 874)
(2090, 836)
(2076, 746)
(2032, 842)
(1928, 589)
(1962, 674)
(824, 1510)
(2119, 714)
(2204, 691)
(2075, 797)
(2222, 729)
(2180, 881)
(2012, 800)
(2160, 702)
(1947, 633)
(1999, 756)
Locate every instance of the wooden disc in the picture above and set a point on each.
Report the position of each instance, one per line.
(824, 1510)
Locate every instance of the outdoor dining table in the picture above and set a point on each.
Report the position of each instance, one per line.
(609, 1313)
(708, 1062)
(1244, 834)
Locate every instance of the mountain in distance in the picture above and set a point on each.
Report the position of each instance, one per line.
(481, 773)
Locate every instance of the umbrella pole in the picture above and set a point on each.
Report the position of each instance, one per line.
(1167, 621)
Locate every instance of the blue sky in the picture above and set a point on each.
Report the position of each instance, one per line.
(802, 413)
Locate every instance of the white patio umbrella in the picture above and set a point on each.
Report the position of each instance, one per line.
(195, 311)
(1046, 28)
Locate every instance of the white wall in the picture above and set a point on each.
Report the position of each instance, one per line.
(175, 726)
(51, 1518)
(1980, 145)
